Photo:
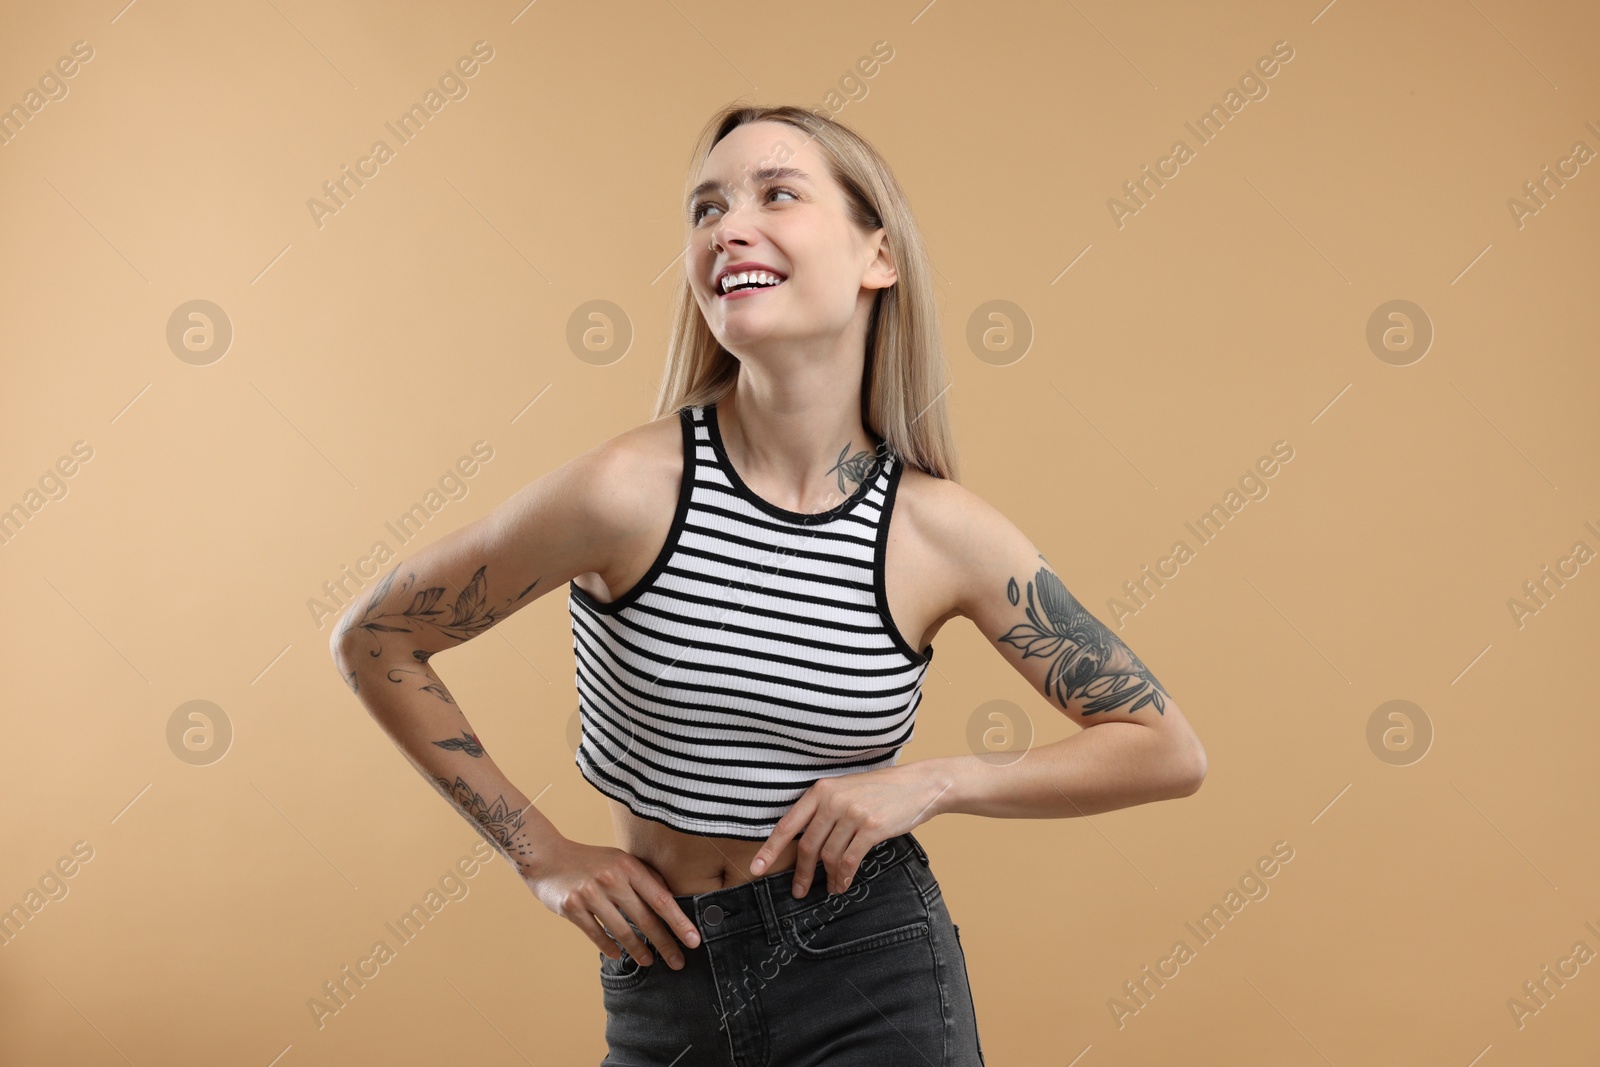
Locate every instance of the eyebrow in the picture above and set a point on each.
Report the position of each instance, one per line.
(762, 174)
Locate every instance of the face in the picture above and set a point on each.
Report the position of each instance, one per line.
(773, 203)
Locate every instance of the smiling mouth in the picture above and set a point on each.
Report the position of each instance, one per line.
(747, 290)
(753, 279)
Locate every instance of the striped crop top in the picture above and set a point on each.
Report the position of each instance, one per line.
(755, 656)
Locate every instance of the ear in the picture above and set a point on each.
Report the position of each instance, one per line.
(881, 272)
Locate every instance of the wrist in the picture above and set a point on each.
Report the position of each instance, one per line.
(943, 780)
(533, 861)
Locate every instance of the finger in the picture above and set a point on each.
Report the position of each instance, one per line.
(653, 928)
(596, 933)
(811, 845)
(655, 931)
(835, 868)
(652, 889)
(862, 843)
(793, 821)
(617, 926)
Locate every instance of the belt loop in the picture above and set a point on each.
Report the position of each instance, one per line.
(922, 853)
(769, 911)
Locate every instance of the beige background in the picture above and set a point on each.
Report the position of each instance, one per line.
(432, 311)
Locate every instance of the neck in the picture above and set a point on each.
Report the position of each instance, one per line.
(804, 450)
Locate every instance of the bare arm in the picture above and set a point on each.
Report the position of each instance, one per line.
(382, 650)
(569, 522)
(443, 595)
(1136, 746)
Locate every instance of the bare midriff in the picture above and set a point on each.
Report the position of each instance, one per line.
(693, 863)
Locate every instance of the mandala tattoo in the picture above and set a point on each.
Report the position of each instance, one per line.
(1090, 663)
(499, 824)
(467, 742)
(858, 468)
(460, 620)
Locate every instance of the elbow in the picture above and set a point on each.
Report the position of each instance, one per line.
(1194, 768)
(1183, 769)
(340, 651)
(337, 645)
(344, 633)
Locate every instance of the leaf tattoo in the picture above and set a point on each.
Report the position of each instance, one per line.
(1091, 663)
(467, 742)
(858, 468)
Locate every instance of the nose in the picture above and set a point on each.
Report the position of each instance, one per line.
(728, 229)
(723, 236)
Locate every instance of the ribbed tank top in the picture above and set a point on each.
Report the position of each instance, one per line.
(755, 656)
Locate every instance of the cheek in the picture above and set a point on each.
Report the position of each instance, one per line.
(700, 289)
(820, 306)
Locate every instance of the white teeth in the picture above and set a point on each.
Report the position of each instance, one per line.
(761, 276)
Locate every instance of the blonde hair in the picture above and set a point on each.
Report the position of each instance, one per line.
(904, 376)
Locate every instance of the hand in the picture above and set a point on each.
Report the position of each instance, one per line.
(843, 817)
(579, 882)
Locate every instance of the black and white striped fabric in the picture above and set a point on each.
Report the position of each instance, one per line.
(755, 656)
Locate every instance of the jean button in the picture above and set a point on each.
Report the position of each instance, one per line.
(712, 915)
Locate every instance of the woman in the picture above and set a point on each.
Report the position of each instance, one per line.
(743, 615)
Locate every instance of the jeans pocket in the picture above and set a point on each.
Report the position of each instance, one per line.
(965, 973)
(869, 915)
(622, 973)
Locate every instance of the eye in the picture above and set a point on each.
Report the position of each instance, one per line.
(698, 212)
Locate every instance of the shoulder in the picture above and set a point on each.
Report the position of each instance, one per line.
(602, 490)
(959, 533)
(946, 513)
(629, 478)
(590, 514)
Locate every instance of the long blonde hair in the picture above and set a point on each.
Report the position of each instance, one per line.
(904, 376)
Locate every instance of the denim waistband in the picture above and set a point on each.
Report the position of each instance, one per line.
(752, 905)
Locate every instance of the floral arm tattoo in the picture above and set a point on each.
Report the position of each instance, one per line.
(425, 612)
(499, 824)
(467, 616)
(1089, 663)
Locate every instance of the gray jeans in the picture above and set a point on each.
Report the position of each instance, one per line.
(872, 976)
